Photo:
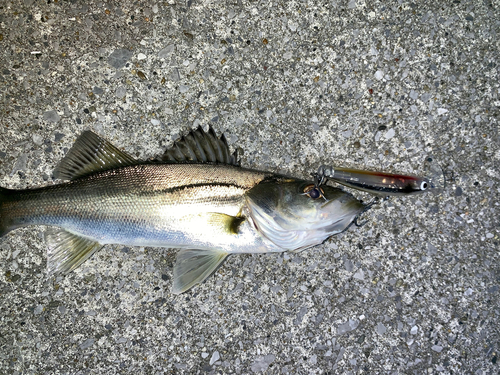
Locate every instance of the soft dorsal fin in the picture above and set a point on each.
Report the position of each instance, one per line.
(91, 154)
(200, 147)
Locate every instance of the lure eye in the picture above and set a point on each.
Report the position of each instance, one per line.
(313, 191)
(424, 185)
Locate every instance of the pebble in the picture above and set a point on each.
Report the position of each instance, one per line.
(119, 58)
(51, 116)
(120, 92)
(175, 75)
(390, 133)
(87, 344)
(37, 139)
(166, 52)
(359, 275)
(20, 164)
(38, 310)
(300, 315)
(348, 326)
(97, 90)
(348, 265)
(215, 358)
(261, 364)
(381, 329)
(347, 133)
(437, 348)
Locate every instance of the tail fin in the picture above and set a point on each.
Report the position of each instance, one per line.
(4, 223)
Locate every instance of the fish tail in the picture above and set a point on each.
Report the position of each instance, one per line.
(5, 197)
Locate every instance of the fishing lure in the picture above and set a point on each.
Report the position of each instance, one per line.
(378, 183)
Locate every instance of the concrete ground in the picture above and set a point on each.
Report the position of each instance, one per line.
(379, 85)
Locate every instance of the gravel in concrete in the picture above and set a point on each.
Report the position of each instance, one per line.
(374, 85)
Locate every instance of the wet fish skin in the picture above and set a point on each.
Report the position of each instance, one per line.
(207, 210)
(139, 205)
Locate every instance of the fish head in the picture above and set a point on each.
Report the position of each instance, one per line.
(295, 214)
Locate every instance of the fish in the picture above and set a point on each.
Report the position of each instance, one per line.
(376, 183)
(196, 197)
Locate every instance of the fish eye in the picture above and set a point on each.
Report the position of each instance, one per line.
(424, 185)
(313, 191)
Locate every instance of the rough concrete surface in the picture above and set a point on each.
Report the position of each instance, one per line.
(378, 85)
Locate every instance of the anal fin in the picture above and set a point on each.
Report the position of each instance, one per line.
(67, 251)
(193, 266)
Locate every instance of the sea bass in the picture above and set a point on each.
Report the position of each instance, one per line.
(195, 198)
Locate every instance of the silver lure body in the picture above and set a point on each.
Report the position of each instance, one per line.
(373, 182)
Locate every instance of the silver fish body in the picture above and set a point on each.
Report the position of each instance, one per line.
(144, 205)
(208, 210)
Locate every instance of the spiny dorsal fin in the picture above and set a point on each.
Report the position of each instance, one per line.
(91, 154)
(200, 147)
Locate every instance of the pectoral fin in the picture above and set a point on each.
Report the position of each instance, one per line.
(67, 251)
(194, 266)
